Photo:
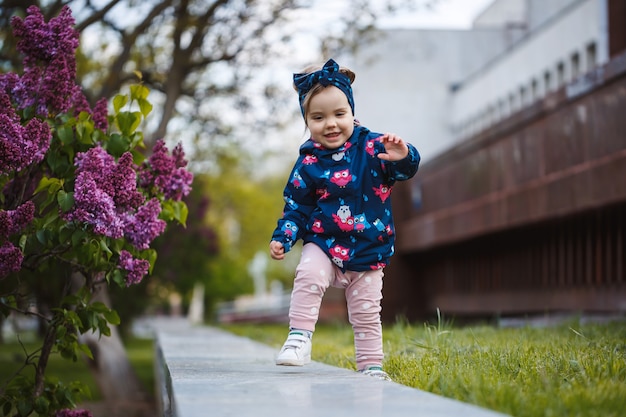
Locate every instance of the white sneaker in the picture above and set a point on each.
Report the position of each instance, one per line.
(296, 351)
(377, 372)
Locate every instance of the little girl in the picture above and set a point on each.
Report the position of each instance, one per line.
(338, 202)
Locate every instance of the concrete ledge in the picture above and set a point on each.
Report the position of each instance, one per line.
(203, 371)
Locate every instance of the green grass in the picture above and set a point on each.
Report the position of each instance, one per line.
(566, 370)
(140, 353)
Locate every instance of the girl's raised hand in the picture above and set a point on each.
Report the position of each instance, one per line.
(395, 147)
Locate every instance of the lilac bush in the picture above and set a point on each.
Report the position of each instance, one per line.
(75, 193)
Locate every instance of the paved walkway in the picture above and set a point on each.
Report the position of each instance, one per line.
(204, 371)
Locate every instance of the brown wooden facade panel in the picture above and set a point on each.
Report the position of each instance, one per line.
(561, 162)
(527, 217)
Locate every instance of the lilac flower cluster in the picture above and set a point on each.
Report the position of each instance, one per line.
(166, 172)
(12, 222)
(20, 145)
(106, 197)
(10, 259)
(135, 268)
(144, 226)
(49, 64)
(99, 112)
(73, 413)
(105, 192)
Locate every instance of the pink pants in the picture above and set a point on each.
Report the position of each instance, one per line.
(314, 274)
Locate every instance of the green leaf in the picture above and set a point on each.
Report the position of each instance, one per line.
(85, 131)
(50, 218)
(66, 134)
(41, 405)
(85, 349)
(118, 278)
(24, 407)
(139, 92)
(151, 256)
(136, 122)
(145, 106)
(127, 122)
(78, 236)
(118, 144)
(112, 317)
(105, 248)
(61, 331)
(51, 184)
(42, 236)
(22, 242)
(137, 141)
(118, 102)
(65, 200)
(6, 408)
(181, 212)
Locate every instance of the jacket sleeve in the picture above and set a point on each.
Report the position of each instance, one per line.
(300, 201)
(405, 168)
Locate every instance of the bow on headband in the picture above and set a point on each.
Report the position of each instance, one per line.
(328, 75)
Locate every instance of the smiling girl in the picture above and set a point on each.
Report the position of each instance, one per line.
(336, 204)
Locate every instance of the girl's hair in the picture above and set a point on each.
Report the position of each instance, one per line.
(318, 87)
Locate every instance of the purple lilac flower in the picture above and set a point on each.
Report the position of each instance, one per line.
(73, 413)
(167, 173)
(20, 145)
(80, 101)
(100, 115)
(13, 221)
(100, 164)
(106, 197)
(141, 229)
(135, 268)
(8, 82)
(10, 259)
(124, 178)
(95, 206)
(49, 64)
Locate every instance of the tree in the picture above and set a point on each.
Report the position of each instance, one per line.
(206, 61)
(80, 204)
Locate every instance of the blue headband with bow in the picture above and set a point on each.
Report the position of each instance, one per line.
(328, 75)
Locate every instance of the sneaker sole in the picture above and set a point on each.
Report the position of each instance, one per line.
(293, 362)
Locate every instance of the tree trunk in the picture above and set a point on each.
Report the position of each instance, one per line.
(116, 379)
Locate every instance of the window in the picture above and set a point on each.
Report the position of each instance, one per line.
(560, 74)
(591, 56)
(575, 65)
(547, 82)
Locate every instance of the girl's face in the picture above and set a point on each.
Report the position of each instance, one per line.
(329, 118)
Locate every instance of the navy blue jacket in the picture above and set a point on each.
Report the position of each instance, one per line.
(339, 199)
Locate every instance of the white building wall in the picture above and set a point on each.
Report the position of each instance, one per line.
(545, 59)
(504, 13)
(541, 11)
(436, 88)
(403, 81)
